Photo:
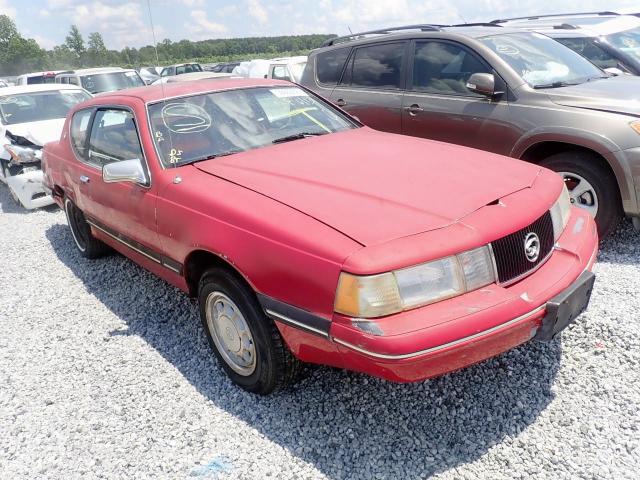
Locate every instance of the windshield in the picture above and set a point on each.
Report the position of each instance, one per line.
(541, 61)
(627, 41)
(35, 107)
(214, 124)
(109, 82)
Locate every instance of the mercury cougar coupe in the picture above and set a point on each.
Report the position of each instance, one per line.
(307, 237)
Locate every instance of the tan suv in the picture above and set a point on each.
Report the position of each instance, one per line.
(513, 92)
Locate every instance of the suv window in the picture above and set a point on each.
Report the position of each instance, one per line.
(114, 137)
(378, 66)
(591, 51)
(444, 68)
(79, 124)
(329, 65)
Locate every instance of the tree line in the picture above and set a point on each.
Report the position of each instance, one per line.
(22, 55)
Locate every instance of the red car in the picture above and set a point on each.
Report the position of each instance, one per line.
(309, 238)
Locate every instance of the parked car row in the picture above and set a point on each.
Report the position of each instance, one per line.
(307, 236)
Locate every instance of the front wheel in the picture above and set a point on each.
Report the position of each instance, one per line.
(591, 186)
(88, 245)
(246, 342)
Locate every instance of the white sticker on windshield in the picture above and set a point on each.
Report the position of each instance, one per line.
(288, 92)
(185, 118)
(507, 49)
(130, 74)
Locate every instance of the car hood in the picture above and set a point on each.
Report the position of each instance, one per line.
(615, 94)
(375, 187)
(38, 133)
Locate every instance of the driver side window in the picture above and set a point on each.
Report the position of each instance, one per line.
(444, 68)
(114, 137)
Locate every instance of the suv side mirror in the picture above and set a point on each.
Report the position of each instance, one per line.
(483, 83)
(125, 171)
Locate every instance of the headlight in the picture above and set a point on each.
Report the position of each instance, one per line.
(560, 213)
(388, 293)
(22, 154)
(635, 125)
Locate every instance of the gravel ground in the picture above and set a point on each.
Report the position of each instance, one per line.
(106, 373)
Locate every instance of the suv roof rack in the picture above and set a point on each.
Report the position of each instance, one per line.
(538, 17)
(427, 27)
(475, 24)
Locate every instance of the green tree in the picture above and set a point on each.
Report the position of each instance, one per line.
(75, 43)
(17, 54)
(96, 51)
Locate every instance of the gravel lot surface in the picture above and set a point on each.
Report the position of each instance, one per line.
(105, 373)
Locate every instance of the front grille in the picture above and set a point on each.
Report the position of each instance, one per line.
(509, 251)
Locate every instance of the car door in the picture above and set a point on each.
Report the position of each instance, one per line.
(372, 85)
(123, 210)
(437, 104)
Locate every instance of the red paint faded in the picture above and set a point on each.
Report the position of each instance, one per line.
(290, 217)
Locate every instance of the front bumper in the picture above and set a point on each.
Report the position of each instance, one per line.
(29, 189)
(461, 331)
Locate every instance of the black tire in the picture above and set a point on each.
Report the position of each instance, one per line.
(88, 245)
(275, 366)
(589, 166)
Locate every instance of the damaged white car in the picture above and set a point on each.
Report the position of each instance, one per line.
(31, 116)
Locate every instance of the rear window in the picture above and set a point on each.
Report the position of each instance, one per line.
(329, 65)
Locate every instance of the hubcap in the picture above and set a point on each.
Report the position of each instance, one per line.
(230, 333)
(581, 192)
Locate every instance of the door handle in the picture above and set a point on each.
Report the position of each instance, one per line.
(340, 102)
(84, 179)
(414, 109)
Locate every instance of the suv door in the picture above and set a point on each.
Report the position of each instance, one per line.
(438, 105)
(125, 211)
(372, 84)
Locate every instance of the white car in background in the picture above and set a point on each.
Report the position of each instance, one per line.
(189, 77)
(99, 80)
(286, 68)
(30, 116)
(37, 78)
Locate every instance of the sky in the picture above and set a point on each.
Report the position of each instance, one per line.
(127, 22)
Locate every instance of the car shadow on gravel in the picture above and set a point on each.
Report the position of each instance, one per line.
(345, 424)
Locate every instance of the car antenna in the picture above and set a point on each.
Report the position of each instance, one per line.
(155, 48)
(349, 28)
(463, 19)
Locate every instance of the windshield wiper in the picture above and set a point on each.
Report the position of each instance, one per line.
(298, 136)
(211, 157)
(555, 85)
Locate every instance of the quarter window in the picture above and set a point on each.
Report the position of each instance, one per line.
(378, 66)
(79, 125)
(444, 68)
(330, 64)
(114, 137)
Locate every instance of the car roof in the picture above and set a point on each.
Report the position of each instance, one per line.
(181, 64)
(90, 71)
(587, 24)
(154, 93)
(42, 87)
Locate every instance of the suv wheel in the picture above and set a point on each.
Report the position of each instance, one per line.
(246, 342)
(591, 187)
(88, 245)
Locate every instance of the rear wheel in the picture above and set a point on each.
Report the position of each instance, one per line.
(591, 186)
(246, 342)
(88, 245)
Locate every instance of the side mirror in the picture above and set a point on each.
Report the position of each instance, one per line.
(125, 171)
(616, 72)
(483, 83)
